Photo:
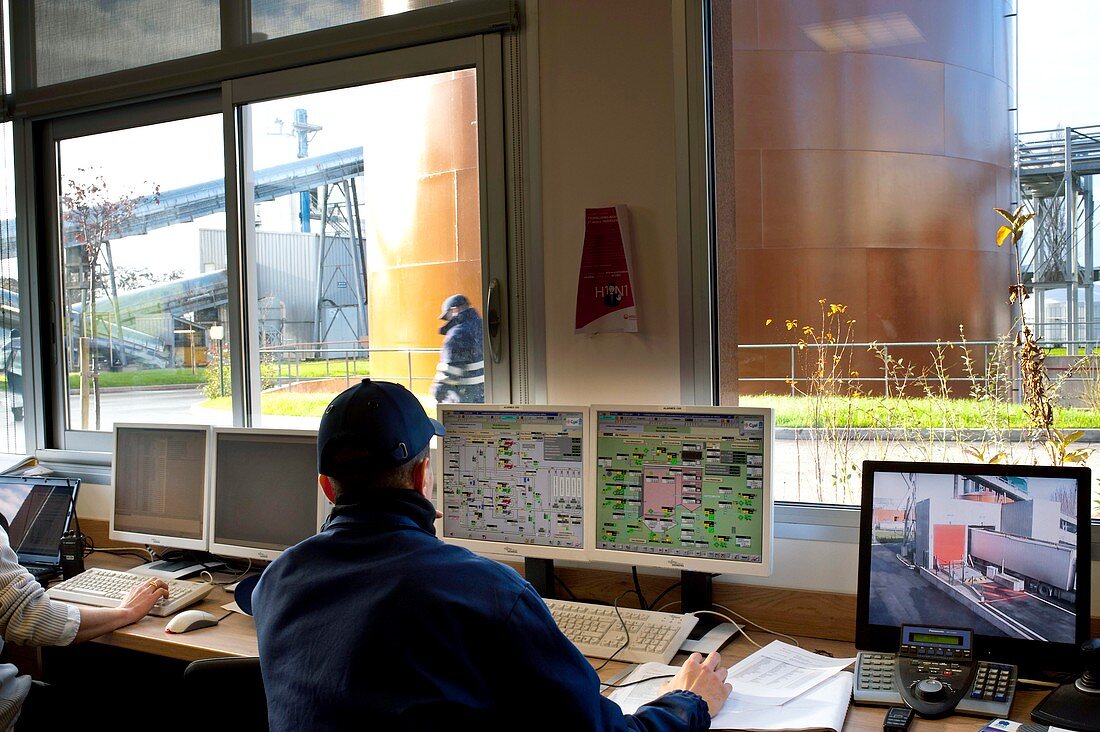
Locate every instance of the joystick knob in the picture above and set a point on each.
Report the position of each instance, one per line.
(930, 690)
(1090, 654)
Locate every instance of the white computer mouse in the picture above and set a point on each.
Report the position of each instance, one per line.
(190, 620)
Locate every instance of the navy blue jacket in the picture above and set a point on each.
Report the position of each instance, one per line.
(460, 375)
(374, 623)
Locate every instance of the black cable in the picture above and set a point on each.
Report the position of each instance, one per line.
(638, 588)
(565, 587)
(626, 630)
(639, 681)
(664, 592)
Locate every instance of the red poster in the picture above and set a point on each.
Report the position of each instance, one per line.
(605, 289)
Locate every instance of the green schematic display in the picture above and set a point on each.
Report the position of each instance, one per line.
(514, 477)
(681, 484)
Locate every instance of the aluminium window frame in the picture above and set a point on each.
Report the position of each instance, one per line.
(47, 432)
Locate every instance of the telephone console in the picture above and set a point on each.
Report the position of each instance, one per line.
(934, 673)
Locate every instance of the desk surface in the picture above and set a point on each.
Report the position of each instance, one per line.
(236, 636)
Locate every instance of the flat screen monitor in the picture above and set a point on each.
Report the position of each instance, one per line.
(685, 488)
(264, 492)
(510, 479)
(158, 478)
(994, 548)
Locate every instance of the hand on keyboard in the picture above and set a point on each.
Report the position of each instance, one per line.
(705, 678)
(141, 597)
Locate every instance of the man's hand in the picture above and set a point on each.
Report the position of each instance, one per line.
(705, 678)
(95, 621)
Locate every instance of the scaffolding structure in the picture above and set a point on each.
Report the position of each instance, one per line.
(1055, 173)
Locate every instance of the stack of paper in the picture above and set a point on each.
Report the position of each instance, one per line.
(780, 687)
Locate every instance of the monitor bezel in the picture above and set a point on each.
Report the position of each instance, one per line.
(763, 568)
(323, 507)
(514, 549)
(158, 540)
(1036, 655)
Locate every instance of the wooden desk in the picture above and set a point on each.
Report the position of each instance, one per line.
(236, 636)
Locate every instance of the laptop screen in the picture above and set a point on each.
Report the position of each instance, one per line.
(38, 511)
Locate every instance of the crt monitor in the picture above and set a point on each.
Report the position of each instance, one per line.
(510, 479)
(682, 487)
(264, 493)
(158, 478)
(994, 548)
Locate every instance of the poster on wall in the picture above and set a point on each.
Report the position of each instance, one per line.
(605, 285)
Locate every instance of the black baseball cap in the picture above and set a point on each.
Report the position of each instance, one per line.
(454, 301)
(373, 424)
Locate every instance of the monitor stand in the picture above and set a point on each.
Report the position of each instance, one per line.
(709, 634)
(540, 573)
(176, 568)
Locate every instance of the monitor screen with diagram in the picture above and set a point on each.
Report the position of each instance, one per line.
(511, 479)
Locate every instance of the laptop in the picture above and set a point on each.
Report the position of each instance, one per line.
(38, 510)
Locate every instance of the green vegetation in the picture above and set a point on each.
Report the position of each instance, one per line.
(147, 377)
(872, 411)
(322, 369)
(283, 404)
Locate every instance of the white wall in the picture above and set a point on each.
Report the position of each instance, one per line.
(608, 137)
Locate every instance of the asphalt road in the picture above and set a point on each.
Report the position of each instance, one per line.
(911, 599)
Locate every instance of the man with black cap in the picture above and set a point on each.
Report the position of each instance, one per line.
(460, 375)
(375, 623)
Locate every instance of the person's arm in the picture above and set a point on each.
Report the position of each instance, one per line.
(97, 621)
(549, 666)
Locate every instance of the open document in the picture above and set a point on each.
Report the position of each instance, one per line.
(822, 703)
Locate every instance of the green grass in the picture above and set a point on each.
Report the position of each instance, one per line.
(281, 404)
(147, 377)
(911, 413)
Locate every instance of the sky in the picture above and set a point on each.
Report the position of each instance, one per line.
(1059, 63)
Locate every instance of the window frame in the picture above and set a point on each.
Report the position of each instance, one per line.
(37, 155)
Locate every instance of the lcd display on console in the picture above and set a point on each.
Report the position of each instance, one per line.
(682, 484)
(989, 551)
(513, 477)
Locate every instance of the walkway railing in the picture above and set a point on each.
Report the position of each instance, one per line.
(344, 358)
(795, 376)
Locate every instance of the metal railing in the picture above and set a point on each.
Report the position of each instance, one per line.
(879, 351)
(340, 359)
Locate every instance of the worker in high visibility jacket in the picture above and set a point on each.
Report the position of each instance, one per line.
(460, 376)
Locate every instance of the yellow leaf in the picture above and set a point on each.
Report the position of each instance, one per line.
(1008, 217)
(768, 321)
(1003, 233)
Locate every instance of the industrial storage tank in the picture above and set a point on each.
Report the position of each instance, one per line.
(871, 142)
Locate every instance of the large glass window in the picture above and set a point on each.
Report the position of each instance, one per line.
(367, 231)
(859, 160)
(12, 434)
(143, 309)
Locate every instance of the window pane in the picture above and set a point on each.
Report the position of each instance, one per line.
(12, 435)
(75, 40)
(366, 222)
(277, 18)
(868, 152)
(143, 335)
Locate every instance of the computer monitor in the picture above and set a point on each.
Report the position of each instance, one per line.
(158, 478)
(264, 493)
(684, 488)
(1000, 549)
(510, 479)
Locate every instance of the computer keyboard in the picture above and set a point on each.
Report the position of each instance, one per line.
(597, 631)
(107, 588)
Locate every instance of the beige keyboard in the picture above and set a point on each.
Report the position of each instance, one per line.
(107, 588)
(597, 631)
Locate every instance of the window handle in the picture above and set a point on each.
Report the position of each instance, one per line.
(492, 318)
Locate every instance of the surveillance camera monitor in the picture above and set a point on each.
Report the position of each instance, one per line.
(993, 548)
(682, 487)
(158, 477)
(510, 479)
(264, 492)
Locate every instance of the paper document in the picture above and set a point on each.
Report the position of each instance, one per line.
(821, 708)
(779, 672)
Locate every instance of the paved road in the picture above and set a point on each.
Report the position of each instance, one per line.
(911, 599)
